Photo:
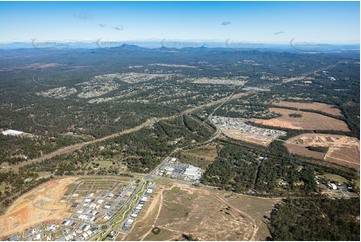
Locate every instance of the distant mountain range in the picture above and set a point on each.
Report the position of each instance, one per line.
(179, 45)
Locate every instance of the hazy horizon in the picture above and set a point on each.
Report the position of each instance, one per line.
(266, 22)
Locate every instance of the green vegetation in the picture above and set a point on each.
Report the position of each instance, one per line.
(318, 148)
(14, 184)
(316, 219)
(246, 107)
(189, 237)
(139, 151)
(295, 115)
(156, 230)
(242, 167)
(234, 169)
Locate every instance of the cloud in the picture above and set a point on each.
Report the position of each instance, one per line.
(279, 32)
(119, 27)
(226, 23)
(82, 16)
(102, 25)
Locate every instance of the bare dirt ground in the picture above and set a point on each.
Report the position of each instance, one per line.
(202, 213)
(302, 150)
(343, 150)
(345, 156)
(257, 208)
(308, 121)
(323, 107)
(239, 135)
(39, 205)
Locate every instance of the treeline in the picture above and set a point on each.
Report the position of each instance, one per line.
(141, 151)
(234, 169)
(316, 219)
(245, 168)
(14, 150)
(14, 184)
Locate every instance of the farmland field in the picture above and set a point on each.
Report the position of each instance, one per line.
(323, 107)
(307, 121)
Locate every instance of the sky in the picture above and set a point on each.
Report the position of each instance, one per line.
(253, 22)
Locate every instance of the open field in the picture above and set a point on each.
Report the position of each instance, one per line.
(345, 156)
(239, 135)
(256, 207)
(335, 178)
(37, 206)
(323, 107)
(343, 150)
(239, 81)
(218, 215)
(308, 121)
(201, 157)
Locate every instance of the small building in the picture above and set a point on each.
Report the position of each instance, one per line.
(129, 222)
(11, 132)
(332, 186)
(194, 173)
(144, 199)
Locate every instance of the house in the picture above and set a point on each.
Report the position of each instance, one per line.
(144, 199)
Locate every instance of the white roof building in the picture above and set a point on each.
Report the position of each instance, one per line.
(144, 199)
(191, 171)
(332, 186)
(194, 172)
(11, 132)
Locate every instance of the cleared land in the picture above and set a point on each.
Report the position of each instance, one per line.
(323, 107)
(343, 150)
(40, 205)
(239, 135)
(216, 81)
(217, 215)
(308, 121)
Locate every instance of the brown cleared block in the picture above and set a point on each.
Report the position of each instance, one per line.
(302, 150)
(202, 213)
(346, 156)
(323, 107)
(239, 135)
(308, 121)
(40, 205)
(343, 150)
